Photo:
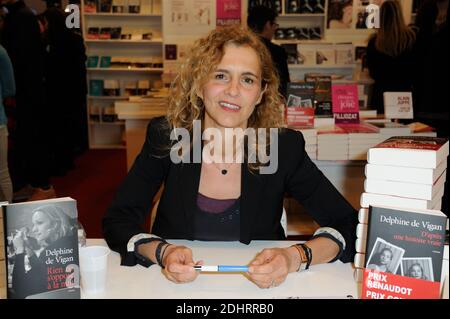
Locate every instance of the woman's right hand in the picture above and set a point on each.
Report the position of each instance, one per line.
(179, 265)
(19, 242)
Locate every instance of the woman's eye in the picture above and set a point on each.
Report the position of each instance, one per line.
(219, 76)
(249, 81)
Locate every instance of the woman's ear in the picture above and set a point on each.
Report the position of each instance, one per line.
(199, 93)
(261, 95)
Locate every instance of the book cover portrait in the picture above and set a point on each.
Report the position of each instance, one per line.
(405, 249)
(42, 249)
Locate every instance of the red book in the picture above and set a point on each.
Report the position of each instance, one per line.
(345, 103)
(300, 105)
(410, 151)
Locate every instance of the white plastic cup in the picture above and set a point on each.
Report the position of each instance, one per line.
(93, 268)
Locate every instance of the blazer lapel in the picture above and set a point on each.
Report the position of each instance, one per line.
(252, 186)
(190, 179)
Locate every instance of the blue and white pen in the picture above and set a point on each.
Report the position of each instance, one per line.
(222, 268)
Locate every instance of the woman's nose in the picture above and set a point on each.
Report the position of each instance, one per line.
(233, 88)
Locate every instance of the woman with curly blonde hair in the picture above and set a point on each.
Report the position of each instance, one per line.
(227, 82)
(185, 105)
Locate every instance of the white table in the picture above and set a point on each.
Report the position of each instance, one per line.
(321, 281)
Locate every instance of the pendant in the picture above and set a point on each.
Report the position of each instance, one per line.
(224, 172)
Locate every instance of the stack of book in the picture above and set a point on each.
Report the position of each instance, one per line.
(332, 144)
(361, 137)
(403, 172)
(310, 136)
(406, 171)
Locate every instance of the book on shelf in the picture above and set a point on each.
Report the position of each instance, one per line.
(131, 88)
(111, 88)
(403, 253)
(291, 53)
(134, 6)
(325, 54)
(292, 6)
(300, 104)
(96, 87)
(307, 54)
(42, 249)
(344, 53)
(147, 36)
(345, 103)
(405, 174)
(90, 6)
(93, 33)
(143, 87)
(410, 151)
(105, 33)
(105, 6)
(109, 115)
(92, 61)
(118, 6)
(105, 61)
(115, 33)
(398, 105)
(322, 94)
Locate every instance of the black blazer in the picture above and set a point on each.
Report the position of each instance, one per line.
(261, 195)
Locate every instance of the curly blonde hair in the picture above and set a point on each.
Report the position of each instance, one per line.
(184, 104)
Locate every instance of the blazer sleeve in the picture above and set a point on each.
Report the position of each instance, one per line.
(126, 215)
(307, 184)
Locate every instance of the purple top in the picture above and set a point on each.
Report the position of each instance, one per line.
(212, 205)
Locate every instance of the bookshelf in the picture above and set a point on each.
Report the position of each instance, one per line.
(124, 45)
(303, 34)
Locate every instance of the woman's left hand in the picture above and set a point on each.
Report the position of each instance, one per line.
(270, 267)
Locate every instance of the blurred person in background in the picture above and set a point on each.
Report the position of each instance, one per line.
(262, 21)
(65, 74)
(30, 160)
(7, 90)
(390, 55)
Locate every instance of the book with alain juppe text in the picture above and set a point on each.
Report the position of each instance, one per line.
(410, 151)
(404, 253)
(41, 240)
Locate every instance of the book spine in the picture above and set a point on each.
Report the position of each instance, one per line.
(358, 274)
(363, 215)
(359, 260)
(361, 231)
(360, 245)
